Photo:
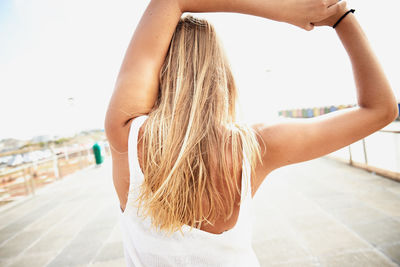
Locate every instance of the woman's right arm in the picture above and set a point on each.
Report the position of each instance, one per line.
(307, 139)
(301, 13)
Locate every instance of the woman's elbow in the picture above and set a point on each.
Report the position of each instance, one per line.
(392, 112)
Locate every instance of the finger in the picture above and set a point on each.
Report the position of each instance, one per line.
(309, 26)
(332, 2)
(333, 9)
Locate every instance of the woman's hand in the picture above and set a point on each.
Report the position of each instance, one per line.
(334, 18)
(307, 13)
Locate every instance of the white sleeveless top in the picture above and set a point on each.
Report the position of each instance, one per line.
(143, 246)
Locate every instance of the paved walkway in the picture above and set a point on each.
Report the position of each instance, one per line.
(316, 213)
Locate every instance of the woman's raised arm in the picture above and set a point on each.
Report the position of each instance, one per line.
(136, 87)
(306, 139)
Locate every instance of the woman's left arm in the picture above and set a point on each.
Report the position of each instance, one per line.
(137, 84)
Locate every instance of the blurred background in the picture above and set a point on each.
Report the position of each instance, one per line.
(59, 61)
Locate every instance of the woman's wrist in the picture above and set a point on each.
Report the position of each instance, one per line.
(354, 39)
(346, 21)
(342, 17)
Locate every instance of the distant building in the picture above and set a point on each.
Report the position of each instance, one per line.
(316, 111)
(10, 144)
(311, 112)
(42, 139)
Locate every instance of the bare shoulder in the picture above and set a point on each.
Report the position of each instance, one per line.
(267, 135)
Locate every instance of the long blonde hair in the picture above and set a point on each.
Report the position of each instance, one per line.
(191, 125)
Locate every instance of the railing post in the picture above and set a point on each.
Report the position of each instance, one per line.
(89, 155)
(365, 151)
(26, 177)
(107, 149)
(351, 158)
(66, 154)
(55, 167)
(81, 164)
(33, 175)
(60, 173)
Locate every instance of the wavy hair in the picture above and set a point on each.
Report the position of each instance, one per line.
(189, 130)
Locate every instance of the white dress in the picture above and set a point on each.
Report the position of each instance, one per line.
(145, 247)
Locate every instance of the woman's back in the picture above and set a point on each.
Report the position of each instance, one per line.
(222, 223)
(191, 247)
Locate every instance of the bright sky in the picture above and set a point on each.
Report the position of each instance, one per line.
(53, 50)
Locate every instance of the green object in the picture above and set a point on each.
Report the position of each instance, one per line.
(97, 154)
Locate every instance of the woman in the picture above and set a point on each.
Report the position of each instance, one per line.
(184, 171)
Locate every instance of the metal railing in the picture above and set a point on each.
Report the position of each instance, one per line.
(374, 161)
(383, 160)
(25, 180)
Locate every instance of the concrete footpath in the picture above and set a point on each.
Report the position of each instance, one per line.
(316, 213)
